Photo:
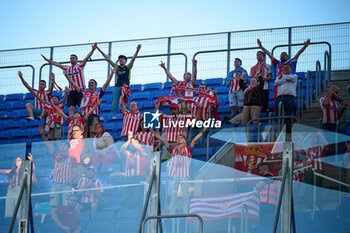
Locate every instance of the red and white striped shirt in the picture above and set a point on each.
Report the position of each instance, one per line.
(188, 94)
(76, 73)
(135, 163)
(131, 122)
(298, 175)
(44, 95)
(89, 100)
(234, 83)
(52, 115)
(171, 127)
(314, 157)
(180, 161)
(71, 122)
(330, 113)
(89, 196)
(63, 168)
(145, 137)
(205, 107)
(264, 69)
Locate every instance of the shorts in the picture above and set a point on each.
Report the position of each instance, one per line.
(37, 112)
(55, 131)
(58, 199)
(236, 99)
(74, 98)
(10, 204)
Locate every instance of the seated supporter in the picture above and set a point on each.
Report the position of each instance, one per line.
(54, 121)
(103, 144)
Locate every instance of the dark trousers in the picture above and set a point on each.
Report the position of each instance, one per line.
(288, 104)
(265, 100)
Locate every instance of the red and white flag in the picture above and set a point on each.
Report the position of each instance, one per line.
(225, 206)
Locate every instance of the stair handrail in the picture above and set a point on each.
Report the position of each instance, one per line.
(318, 79)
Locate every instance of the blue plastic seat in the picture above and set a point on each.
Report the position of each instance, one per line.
(148, 106)
(136, 88)
(109, 89)
(140, 96)
(167, 86)
(10, 124)
(14, 97)
(5, 106)
(18, 105)
(213, 82)
(152, 87)
(28, 97)
(221, 90)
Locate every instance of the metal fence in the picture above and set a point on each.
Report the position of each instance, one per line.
(213, 65)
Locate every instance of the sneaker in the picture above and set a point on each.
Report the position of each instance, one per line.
(29, 118)
(38, 117)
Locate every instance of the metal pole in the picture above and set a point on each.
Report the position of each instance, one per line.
(28, 168)
(18, 202)
(50, 68)
(289, 41)
(279, 203)
(147, 196)
(109, 55)
(288, 192)
(168, 57)
(174, 216)
(228, 53)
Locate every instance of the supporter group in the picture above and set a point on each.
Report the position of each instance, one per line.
(77, 162)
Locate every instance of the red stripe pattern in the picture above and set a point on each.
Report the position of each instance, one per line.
(225, 206)
(76, 73)
(63, 169)
(131, 122)
(89, 196)
(44, 95)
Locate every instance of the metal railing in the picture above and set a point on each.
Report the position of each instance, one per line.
(174, 216)
(19, 66)
(138, 57)
(318, 79)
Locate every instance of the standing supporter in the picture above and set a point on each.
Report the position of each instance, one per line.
(268, 191)
(15, 182)
(180, 155)
(264, 70)
(67, 216)
(235, 92)
(36, 111)
(103, 144)
(170, 127)
(76, 72)
(54, 121)
(131, 120)
(331, 111)
(189, 79)
(89, 100)
(286, 92)
(77, 118)
(252, 97)
(64, 173)
(284, 59)
(90, 199)
(122, 77)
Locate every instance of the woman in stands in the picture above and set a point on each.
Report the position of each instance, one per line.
(103, 144)
(15, 181)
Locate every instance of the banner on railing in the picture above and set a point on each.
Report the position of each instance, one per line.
(249, 157)
(225, 206)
